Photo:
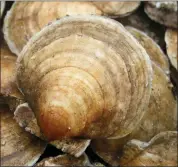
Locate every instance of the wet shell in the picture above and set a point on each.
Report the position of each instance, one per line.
(171, 42)
(161, 116)
(153, 49)
(65, 160)
(9, 91)
(161, 150)
(163, 12)
(27, 18)
(18, 148)
(89, 77)
(26, 119)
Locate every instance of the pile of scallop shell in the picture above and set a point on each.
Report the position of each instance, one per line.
(89, 83)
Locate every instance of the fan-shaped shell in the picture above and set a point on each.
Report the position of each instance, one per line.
(161, 116)
(27, 18)
(84, 74)
(18, 148)
(153, 49)
(172, 49)
(161, 150)
(163, 12)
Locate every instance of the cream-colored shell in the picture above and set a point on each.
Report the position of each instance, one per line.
(86, 75)
(162, 12)
(18, 148)
(171, 44)
(2, 8)
(27, 18)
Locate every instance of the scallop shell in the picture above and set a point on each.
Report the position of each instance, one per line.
(88, 76)
(26, 119)
(65, 160)
(153, 50)
(161, 150)
(9, 91)
(27, 18)
(161, 116)
(18, 148)
(171, 42)
(163, 12)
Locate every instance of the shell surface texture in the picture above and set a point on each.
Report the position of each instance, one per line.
(85, 77)
(25, 19)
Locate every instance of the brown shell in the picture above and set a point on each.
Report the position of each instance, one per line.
(161, 150)
(18, 148)
(65, 160)
(9, 91)
(163, 12)
(26, 119)
(171, 43)
(161, 116)
(153, 49)
(104, 88)
(27, 18)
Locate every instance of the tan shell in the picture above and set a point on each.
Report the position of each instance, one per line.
(9, 91)
(65, 160)
(18, 148)
(153, 49)
(104, 88)
(27, 18)
(163, 12)
(161, 150)
(161, 116)
(171, 42)
(26, 119)
(2, 8)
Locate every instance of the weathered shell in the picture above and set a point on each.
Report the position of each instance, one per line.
(161, 150)
(161, 116)
(142, 22)
(163, 12)
(2, 7)
(9, 91)
(65, 160)
(18, 148)
(27, 18)
(153, 50)
(171, 43)
(88, 76)
(26, 119)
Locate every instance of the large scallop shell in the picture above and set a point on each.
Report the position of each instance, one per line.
(9, 91)
(153, 49)
(172, 49)
(161, 116)
(161, 150)
(163, 12)
(27, 18)
(88, 78)
(18, 148)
